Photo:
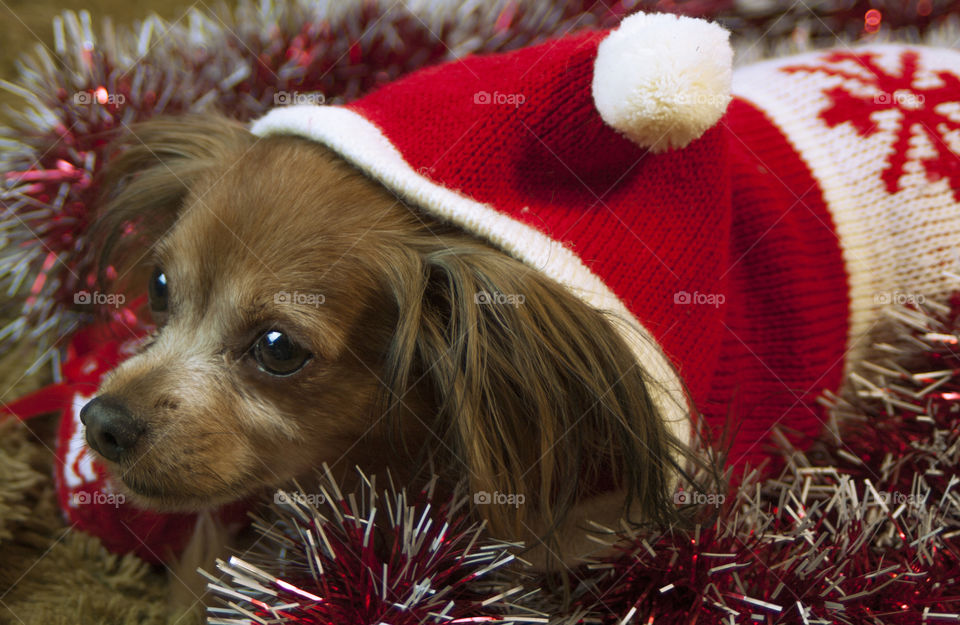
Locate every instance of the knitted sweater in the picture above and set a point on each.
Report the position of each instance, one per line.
(846, 199)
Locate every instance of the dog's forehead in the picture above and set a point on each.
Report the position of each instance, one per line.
(250, 210)
(282, 195)
(282, 217)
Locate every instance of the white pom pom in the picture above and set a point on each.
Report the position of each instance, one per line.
(663, 80)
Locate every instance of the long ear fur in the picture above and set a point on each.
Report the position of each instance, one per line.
(151, 169)
(537, 394)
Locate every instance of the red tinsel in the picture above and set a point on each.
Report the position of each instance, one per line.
(863, 528)
(369, 557)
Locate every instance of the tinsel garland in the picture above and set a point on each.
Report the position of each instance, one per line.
(832, 22)
(369, 557)
(864, 528)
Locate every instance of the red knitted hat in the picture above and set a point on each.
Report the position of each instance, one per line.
(544, 156)
(618, 164)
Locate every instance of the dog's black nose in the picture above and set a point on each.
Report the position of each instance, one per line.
(111, 429)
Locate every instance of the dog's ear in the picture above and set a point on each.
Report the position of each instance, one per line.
(537, 394)
(150, 170)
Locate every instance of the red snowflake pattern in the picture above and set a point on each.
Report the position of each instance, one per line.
(919, 107)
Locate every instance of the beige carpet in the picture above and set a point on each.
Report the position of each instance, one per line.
(50, 575)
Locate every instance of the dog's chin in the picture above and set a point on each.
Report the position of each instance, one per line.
(168, 495)
(171, 501)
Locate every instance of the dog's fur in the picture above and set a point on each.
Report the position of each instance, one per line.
(407, 372)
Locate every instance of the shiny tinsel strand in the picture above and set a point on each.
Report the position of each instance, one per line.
(369, 557)
(774, 27)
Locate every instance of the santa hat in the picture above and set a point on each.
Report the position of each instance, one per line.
(552, 152)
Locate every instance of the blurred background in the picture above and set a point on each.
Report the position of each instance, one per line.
(27, 22)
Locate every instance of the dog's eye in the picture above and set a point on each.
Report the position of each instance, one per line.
(157, 292)
(277, 354)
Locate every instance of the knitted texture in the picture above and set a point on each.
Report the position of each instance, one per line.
(724, 253)
(879, 128)
(785, 313)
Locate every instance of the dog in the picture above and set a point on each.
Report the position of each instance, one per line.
(239, 391)
(330, 286)
(399, 370)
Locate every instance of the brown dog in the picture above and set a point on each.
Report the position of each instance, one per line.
(382, 360)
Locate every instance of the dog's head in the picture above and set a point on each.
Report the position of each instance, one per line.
(306, 315)
(257, 263)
